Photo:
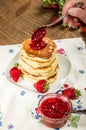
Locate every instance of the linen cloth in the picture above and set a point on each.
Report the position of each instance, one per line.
(18, 107)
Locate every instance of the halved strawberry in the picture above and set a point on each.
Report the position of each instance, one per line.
(41, 86)
(71, 93)
(15, 73)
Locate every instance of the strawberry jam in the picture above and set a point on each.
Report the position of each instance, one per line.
(37, 42)
(54, 108)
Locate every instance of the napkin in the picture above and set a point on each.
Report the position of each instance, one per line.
(19, 107)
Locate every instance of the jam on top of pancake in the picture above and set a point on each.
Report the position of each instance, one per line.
(36, 40)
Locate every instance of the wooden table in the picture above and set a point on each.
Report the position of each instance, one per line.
(18, 19)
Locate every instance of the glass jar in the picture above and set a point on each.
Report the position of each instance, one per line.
(55, 109)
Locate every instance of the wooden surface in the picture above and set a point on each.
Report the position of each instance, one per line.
(18, 19)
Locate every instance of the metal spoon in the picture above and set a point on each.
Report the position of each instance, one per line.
(77, 5)
(76, 112)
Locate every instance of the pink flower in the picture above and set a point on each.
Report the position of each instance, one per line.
(61, 51)
(66, 85)
(85, 89)
(37, 110)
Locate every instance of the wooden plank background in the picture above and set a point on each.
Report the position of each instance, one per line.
(18, 19)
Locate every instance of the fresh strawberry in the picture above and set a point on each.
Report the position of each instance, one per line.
(66, 85)
(15, 73)
(84, 29)
(41, 86)
(54, 6)
(77, 24)
(51, 6)
(71, 93)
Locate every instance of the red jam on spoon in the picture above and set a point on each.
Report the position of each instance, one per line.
(53, 108)
(37, 42)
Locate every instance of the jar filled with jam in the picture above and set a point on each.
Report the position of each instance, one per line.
(55, 109)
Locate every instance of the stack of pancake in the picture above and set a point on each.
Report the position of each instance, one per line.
(39, 64)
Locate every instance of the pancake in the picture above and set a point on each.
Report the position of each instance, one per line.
(39, 64)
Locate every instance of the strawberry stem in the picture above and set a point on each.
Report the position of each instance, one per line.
(46, 86)
(78, 93)
(16, 64)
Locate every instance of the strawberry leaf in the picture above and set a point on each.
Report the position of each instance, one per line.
(84, 29)
(74, 27)
(16, 64)
(78, 93)
(46, 86)
(64, 25)
(41, 86)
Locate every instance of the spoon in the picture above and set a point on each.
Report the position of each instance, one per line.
(76, 112)
(77, 5)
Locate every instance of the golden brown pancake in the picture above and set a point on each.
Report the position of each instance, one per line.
(39, 64)
(44, 53)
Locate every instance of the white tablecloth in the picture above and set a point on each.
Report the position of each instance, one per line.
(18, 107)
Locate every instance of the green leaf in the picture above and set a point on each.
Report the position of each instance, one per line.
(61, 3)
(73, 124)
(46, 2)
(74, 118)
(54, 1)
(78, 93)
(64, 25)
(74, 27)
(46, 86)
(40, 121)
(16, 64)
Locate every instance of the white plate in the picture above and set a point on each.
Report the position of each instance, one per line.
(64, 70)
